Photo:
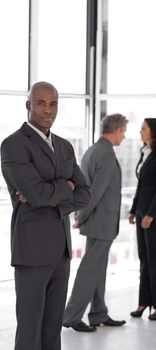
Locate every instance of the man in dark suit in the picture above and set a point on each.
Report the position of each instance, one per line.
(99, 221)
(45, 185)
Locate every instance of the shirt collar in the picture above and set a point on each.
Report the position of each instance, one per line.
(146, 149)
(44, 137)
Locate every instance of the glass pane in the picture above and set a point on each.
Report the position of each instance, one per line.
(6, 271)
(70, 124)
(14, 44)
(11, 118)
(13, 114)
(62, 44)
(131, 46)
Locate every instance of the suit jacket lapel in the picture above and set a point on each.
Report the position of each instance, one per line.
(148, 159)
(37, 139)
(58, 153)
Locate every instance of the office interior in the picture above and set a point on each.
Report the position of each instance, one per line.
(100, 55)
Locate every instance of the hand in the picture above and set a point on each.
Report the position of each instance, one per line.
(146, 221)
(76, 224)
(21, 198)
(131, 218)
(71, 185)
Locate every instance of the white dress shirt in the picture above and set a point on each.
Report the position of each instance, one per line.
(47, 139)
(146, 151)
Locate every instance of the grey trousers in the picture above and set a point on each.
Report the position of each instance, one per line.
(40, 300)
(89, 285)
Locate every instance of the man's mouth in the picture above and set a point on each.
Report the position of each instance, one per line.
(48, 119)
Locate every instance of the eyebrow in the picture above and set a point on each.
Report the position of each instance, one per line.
(52, 101)
(40, 100)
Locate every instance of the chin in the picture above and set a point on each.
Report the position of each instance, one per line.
(48, 125)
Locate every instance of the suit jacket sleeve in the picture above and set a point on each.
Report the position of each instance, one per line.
(81, 194)
(152, 208)
(133, 207)
(103, 177)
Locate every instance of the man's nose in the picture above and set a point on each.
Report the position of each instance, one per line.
(47, 109)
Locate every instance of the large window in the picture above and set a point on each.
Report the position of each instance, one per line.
(62, 44)
(14, 24)
(131, 48)
(127, 84)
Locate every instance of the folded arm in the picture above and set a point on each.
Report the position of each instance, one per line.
(22, 176)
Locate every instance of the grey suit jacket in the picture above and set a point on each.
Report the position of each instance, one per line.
(40, 231)
(100, 218)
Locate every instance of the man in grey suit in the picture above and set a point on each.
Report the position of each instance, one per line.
(45, 185)
(99, 222)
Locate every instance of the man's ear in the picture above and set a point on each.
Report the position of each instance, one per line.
(28, 105)
(116, 131)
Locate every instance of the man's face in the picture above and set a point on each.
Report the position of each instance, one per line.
(43, 108)
(120, 135)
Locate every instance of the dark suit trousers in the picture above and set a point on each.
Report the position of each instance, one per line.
(40, 299)
(147, 255)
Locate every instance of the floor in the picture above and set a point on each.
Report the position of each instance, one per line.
(121, 296)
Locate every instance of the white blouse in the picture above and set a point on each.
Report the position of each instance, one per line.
(146, 151)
